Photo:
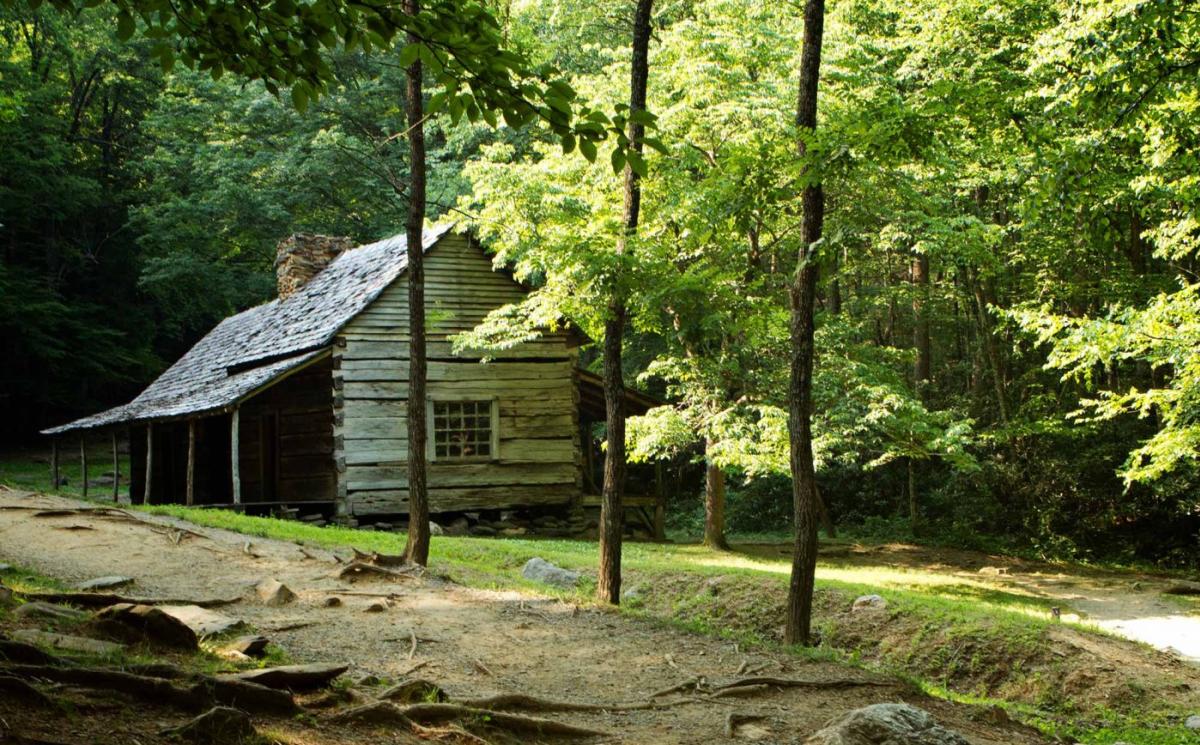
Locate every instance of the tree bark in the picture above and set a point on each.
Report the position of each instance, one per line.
(921, 342)
(803, 298)
(608, 584)
(116, 469)
(914, 514)
(416, 550)
(714, 503)
(83, 466)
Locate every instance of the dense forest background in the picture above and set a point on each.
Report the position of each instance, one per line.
(1008, 323)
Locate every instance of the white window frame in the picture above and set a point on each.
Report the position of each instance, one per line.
(431, 428)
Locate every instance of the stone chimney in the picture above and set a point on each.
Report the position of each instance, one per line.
(300, 256)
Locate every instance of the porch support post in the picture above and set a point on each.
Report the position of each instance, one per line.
(149, 462)
(191, 463)
(54, 479)
(83, 463)
(234, 452)
(116, 469)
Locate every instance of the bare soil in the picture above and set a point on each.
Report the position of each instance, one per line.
(473, 643)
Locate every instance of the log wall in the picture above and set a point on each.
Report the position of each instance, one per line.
(538, 462)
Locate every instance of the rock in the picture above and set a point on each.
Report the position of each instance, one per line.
(416, 691)
(368, 680)
(993, 571)
(251, 645)
(332, 602)
(319, 523)
(273, 592)
(135, 623)
(376, 607)
(312, 518)
(1192, 722)
(458, 526)
(383, 526)
(435, 529)
(203, 621)
(6, 595)
(634, 595)
(15, 689)
(885, 723)
(291, 677)
(483, 530)
(220, 725)
(868, 602)
(5, 567)
(66, 642)
(514, 531)
(540, 570)
(49, 612)
(105, 583)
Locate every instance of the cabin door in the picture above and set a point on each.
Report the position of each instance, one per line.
(269, 447)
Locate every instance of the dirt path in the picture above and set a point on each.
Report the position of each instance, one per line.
(473, 642)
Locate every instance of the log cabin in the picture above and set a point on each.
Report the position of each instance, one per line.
(301, 402)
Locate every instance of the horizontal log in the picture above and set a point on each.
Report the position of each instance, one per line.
(445, 475)
(383, 501)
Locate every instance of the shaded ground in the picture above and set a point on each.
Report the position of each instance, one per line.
(472, 642)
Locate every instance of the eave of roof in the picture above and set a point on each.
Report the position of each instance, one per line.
(251, 350)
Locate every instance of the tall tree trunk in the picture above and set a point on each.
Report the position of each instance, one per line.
(416, 550)
(921, 343)
(803, 296)
(914, 516)
(714, 502)
(612, 517)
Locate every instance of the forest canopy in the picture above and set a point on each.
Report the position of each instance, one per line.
(1008, 314)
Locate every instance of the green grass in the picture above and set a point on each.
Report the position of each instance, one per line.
(31, 471)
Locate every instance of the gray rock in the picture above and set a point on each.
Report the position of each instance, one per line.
(884, 724)
(868, 602)
(634, 595)
(458, 526)
(134, 623)
(221, 725)
(5, 567)
(484, 530)
(332, 602)
(105, 583)
(251, 645)
(1192, 722)
(49, 612)
(66, 642)
(435, 529)
(273, 592)
(312, 517)
(540, 570)
(376, 607)
(383, 526)
(203, 621)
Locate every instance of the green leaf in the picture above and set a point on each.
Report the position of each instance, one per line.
(300, 97)
(588, 148)
(618, 159)
(125, 26)
(637, 163)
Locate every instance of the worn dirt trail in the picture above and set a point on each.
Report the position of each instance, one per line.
(474, 643)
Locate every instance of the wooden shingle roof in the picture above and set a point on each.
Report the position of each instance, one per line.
(250, 350)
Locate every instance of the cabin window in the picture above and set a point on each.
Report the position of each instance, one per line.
(463, 430)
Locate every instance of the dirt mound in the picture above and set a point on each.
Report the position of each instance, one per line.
(1056, 668)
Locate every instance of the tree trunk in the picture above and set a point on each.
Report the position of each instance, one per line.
(803, 296)
(714, 503)
(921, 343)
(914, 515)
(416, 550)
(608, 583)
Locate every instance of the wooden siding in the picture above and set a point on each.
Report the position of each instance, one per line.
(538, 460)
(286, 440)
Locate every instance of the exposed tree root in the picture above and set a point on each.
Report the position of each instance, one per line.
(385, 712)
(693, 683)
(205, 692)
(103, 600)
(378, 559)
(360, 569)
(772, 682)
(532, 703)
(746, 690)
(733, 719)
